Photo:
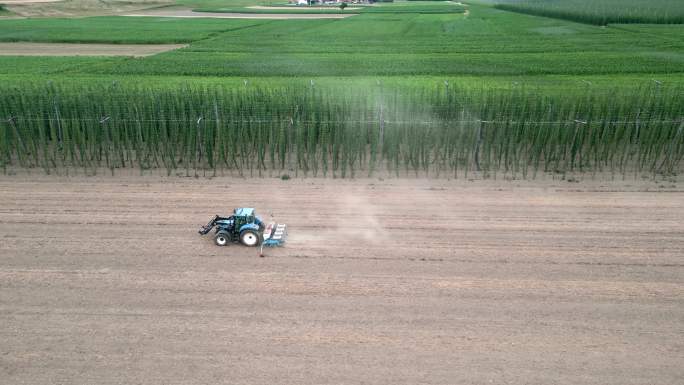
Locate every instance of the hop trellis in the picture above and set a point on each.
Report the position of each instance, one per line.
(256, 131)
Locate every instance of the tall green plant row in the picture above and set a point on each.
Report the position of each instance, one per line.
(259, 131)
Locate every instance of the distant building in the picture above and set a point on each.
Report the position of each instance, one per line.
(329, 2)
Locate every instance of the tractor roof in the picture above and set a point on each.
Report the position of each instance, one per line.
(244, 211)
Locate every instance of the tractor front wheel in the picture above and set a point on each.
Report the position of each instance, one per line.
(250, 238)
(221, 238)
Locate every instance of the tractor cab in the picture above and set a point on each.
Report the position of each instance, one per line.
(243, 216)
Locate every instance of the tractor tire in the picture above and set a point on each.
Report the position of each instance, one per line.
(250, 238)
(222, 238)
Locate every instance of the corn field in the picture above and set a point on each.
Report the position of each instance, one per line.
(306, 131)
(602, 12)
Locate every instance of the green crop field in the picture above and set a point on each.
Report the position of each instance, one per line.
(121, 30)
(486, 42)
(398, 90)
(306, 64)
(603, 12)
(14, 66)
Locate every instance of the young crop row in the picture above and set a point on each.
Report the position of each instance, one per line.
(603, 12)
(368, 64)
(117, 29)
(343, 133)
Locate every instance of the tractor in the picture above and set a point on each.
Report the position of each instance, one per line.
(246, 227)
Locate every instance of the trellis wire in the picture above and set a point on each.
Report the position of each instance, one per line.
(444, 131)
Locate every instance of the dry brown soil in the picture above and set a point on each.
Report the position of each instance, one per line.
(25, 2)
(104, 280)
(187, 13)
(60, 49)
(75, 8)
(301, 7)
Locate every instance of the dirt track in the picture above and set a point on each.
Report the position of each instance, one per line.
(289, 7)
(23, 2)
(78, 8)
(62, 49)
(187, 13)
(105, 280)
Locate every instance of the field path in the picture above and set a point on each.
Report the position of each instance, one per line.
(25, 2)
(334, 8)
(187, 13)
(105, 280)
(65, 49)
(78, 8)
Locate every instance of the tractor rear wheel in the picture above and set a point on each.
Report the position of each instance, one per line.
(222, 238)
(250, 238)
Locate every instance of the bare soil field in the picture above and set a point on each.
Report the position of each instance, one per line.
(77, 8)
(188, 13)
(104, 280)
(333, 7)
(63, 49)
(24, 2)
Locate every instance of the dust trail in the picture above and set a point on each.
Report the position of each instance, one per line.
(353, 220)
